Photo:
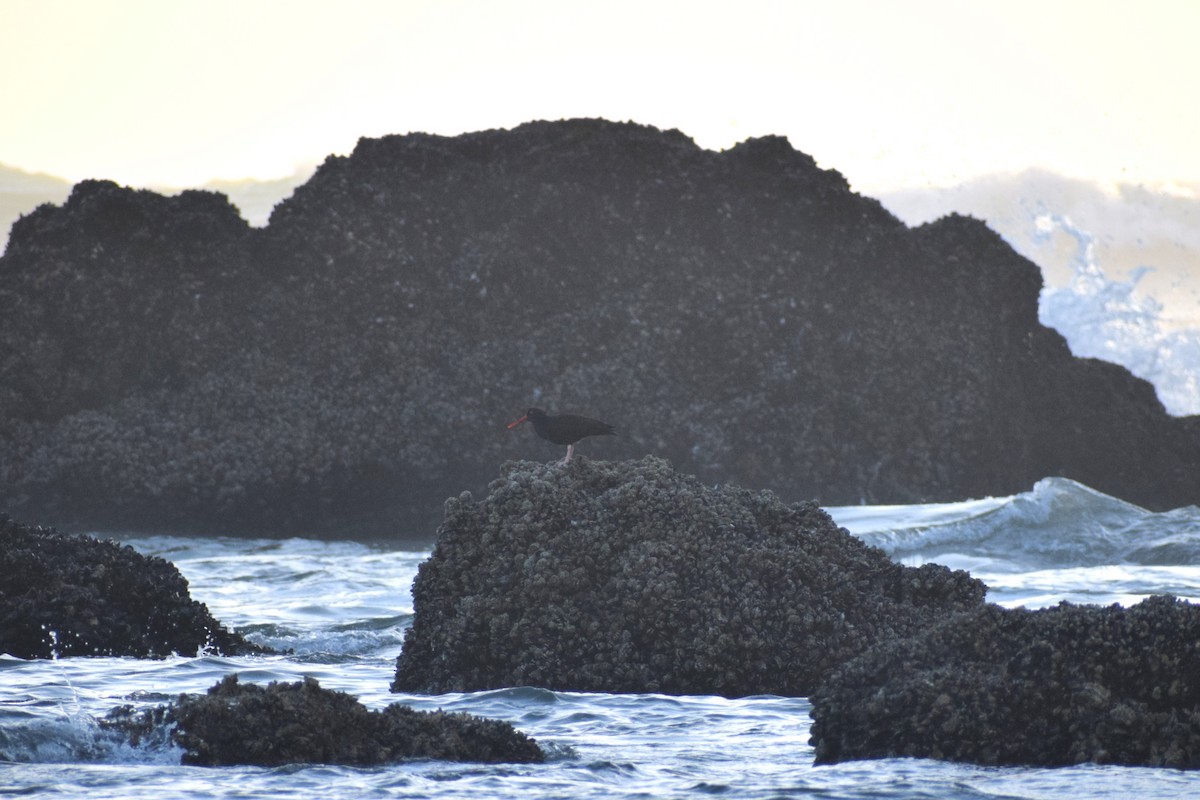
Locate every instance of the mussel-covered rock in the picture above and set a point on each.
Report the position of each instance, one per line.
(303, 723)
(632, 577)
(1059, 686)
(165, 366)
(78, 596)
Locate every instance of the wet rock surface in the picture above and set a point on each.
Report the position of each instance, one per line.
(1053, 687)
(65, 595)
(346, 368)
(631, 577)
(303, 723)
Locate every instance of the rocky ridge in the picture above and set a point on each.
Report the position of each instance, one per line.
(342, 370)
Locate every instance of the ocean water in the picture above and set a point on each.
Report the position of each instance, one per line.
(343, 607)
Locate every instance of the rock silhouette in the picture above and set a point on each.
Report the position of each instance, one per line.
(344, 369)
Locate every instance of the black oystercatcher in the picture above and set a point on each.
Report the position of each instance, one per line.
(564, 428)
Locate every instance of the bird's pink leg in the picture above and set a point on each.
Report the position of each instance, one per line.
(570, 450)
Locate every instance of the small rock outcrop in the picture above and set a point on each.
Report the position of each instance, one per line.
(1058, 686)
(302, 723)
(65, 595)
(632, 577)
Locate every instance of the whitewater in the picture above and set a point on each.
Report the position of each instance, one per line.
(342, 609)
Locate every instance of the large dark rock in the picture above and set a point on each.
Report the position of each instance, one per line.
(63, 595)
(1059, 686)
(630, 577)
(302, 723)
(343, 370)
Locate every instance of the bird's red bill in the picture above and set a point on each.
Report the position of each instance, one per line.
(512, 425)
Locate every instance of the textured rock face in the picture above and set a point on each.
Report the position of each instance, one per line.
(77, 596)
(630, 577)
(302, 723)
(351, 365)
(1059, 686)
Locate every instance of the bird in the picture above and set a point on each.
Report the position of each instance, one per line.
(563, 428)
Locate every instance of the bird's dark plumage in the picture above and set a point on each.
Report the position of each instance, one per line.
(563, 428)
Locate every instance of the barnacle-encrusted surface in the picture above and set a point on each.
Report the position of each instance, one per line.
(164, 366)
(1063, 685)
(78, 596)
(303, 723)
(632, 577)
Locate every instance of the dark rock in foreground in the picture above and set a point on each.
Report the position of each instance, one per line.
(1059, 686)
(631, 577)
(63, 595)
(302, 723)
(342, 371)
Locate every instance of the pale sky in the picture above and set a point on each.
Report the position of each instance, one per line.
(911, 94)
